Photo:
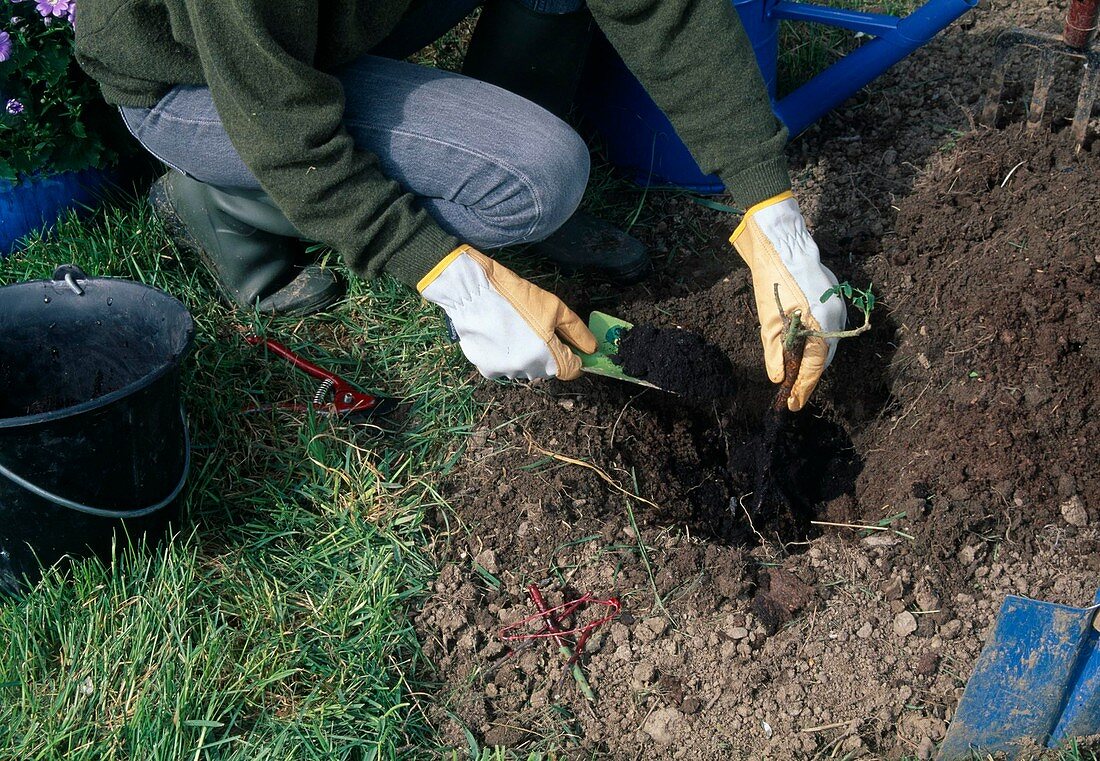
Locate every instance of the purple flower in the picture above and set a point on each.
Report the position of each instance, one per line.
(58, 8)
(14, 107)
(5, 46)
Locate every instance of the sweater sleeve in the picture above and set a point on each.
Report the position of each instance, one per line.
(695, 60)
(285, 119)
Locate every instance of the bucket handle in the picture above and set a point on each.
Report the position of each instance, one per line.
(98, 511)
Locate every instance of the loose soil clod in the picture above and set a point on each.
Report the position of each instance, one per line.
(676, 360)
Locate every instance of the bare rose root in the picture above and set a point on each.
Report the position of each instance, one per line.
(793, 347)
(792, 363)
(552, 629)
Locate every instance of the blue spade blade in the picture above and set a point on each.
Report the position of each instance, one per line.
(1037, 681)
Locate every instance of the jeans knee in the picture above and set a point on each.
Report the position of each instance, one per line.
(522, 187)
(557, 174)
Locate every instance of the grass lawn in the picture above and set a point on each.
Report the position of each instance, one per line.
(274, 625)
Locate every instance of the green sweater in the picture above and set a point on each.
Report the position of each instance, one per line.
(268, 62)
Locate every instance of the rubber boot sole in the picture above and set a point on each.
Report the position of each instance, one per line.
(590, 245)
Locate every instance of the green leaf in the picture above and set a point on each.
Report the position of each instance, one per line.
(54, 64)
(716, 206)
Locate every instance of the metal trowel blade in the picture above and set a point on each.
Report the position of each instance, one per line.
(607, 330)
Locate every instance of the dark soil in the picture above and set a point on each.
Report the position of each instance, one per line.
(993, 390)
(946, 460)
(676, 360)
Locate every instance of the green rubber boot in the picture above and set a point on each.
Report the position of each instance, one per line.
(540, 56)
(249, 245)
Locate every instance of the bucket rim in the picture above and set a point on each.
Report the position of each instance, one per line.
(168, 366)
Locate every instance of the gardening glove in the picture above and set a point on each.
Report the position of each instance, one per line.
(507, 327)
(774, 242)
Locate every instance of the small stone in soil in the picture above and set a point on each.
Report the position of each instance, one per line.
(487, 560)
(675, 360)
(951, 629)
(905, 623)
(893, 589)
(661, 724)
(1074, 513)
(643, 673)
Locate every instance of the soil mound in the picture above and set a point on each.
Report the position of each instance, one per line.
(992, 284)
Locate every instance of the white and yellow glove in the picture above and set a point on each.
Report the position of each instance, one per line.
(507, 327)
(774, 242)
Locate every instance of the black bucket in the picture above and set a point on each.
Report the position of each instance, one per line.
(93, 440)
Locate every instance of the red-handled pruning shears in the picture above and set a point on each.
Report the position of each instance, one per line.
(346, 398)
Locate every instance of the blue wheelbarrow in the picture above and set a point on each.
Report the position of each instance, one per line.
(1037, 681)
(638, 136)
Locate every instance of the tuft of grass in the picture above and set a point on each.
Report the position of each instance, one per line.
(449, 51)
(275, 625)
(807, 49)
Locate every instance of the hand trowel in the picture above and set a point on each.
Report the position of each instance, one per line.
(608, 330)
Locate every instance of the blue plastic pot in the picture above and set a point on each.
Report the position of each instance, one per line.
(639, 136)
(37, 202)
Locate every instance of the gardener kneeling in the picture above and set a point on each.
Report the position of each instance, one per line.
(290, 120)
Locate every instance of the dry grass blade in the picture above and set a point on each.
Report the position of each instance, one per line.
(573, 461)
(860, 526)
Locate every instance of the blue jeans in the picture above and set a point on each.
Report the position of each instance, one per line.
(492, 168)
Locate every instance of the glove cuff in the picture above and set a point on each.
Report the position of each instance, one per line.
(753, 209)
(443, 264)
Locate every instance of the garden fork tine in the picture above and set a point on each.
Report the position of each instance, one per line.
(1044, 78)
(1086, 98)
(992, 105)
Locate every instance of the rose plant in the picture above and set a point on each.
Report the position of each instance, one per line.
(48, 106)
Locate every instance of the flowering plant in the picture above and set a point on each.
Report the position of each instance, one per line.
(47, 104)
